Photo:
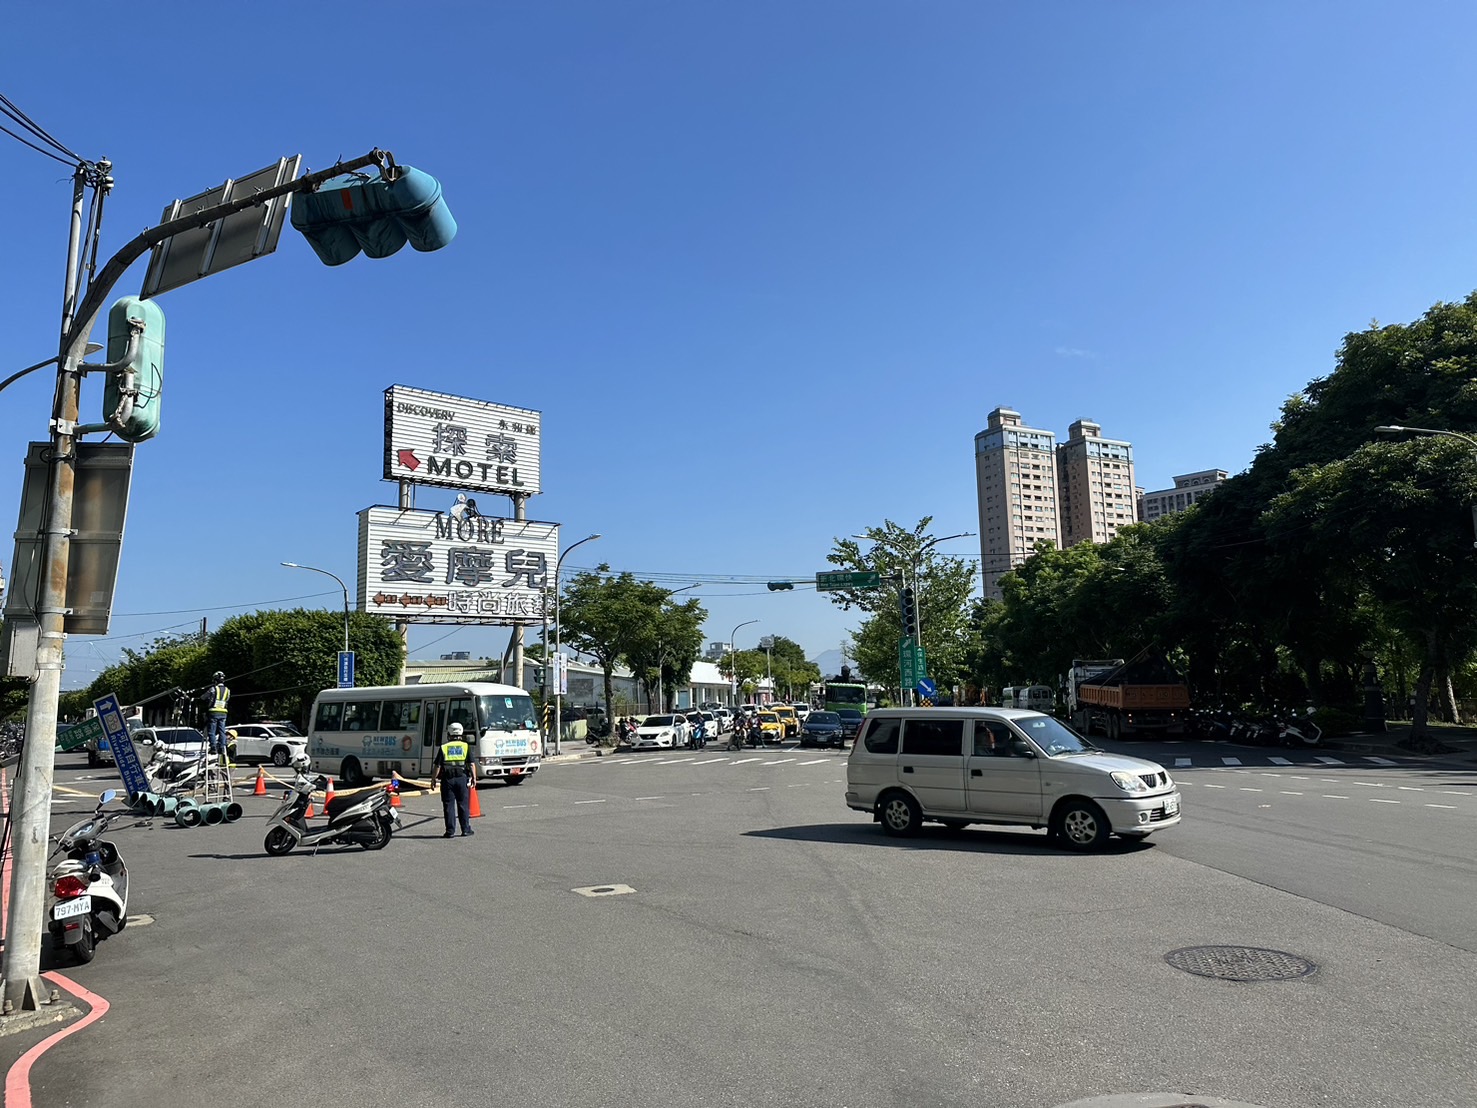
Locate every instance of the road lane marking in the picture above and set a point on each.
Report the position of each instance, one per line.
(802, 785)
(1278, 761)
(759, 789)
(711, 762)
(1286, 792)
(1331, 796)
(1448, 792)
(1380, 761)
(1381, 800)
(1295, 777)
(676, 761)
(1231, 761)
(1411, 788)
(520, 805)
(779, 761)
(1327, 761)
(1450, 806)
(590, 801)
(742, 761)
(815, 762)
(1246, 789)
(1182, 762)
(1215, 786)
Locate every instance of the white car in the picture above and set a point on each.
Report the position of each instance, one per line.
(801, 711)
(660, 733)
(724, 718)
(277, 743)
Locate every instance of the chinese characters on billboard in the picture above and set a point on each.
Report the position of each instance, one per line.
(457, 443)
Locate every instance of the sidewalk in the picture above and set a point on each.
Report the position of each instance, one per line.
(1446, 743)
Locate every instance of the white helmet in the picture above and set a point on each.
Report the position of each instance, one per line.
(301, 763)
(454, 731)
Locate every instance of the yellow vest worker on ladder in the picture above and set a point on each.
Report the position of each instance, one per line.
(216, 698)
(457, 772)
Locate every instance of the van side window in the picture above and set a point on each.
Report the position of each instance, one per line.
(939, 737)
(328, 717)
(881, 737)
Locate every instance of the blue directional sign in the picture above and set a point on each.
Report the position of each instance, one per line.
(120, 742)
(926, 687)
(346, 669)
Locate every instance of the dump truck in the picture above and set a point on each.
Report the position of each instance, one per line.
(1143, 696)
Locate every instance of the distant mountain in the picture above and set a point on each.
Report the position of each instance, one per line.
(830, 662)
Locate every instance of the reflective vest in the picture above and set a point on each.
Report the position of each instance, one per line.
(454, 752)
(219, 695)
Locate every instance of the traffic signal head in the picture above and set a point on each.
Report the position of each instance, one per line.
(131, 392)
(377, 213)
(776, 586)
(909, 611)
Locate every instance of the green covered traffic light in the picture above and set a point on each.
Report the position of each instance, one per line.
(136, 349)
(776, 586)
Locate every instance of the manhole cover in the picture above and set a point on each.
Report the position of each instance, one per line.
(1240, 963)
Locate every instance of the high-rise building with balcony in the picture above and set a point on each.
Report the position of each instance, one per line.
(1016, 481)
(1095, 482)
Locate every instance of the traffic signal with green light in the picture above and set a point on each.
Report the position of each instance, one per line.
(131, 391)
(777, 586)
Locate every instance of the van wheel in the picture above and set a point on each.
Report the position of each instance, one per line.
(900, 814)
(351, 774)
(1080, 825)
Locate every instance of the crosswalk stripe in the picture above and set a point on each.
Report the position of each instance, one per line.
(743, 761)
(1380, 761)
(779, 761)
(815, 762)
(1183, 762)
(1231, 761)
(1276, 761)
(1327, 761)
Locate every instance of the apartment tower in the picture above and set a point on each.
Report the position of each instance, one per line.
(1015, 470)
(1095, 483)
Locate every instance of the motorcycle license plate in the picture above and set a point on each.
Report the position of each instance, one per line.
(77, 906)
(1171, 805)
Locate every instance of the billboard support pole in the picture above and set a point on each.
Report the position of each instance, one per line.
(402, 627)
(520, 514)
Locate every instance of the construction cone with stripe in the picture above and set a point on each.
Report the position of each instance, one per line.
(327, 797)
(474, 806)
(394, 789)
(309, 813)
(261, 783)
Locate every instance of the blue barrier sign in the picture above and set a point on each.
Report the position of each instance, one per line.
(926, 687)
(130, 770)
(346, 669)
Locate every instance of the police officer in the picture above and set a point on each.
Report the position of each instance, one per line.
(216, 697)
(454, 767)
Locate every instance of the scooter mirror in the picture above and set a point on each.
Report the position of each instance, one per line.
(107, 797)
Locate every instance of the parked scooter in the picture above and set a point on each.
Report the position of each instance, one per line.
(1295, 730)
(88, 887)
(366, 819)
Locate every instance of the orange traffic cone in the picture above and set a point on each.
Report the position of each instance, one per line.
(309, 813)
(327, 797)
(261, 783)
(474, 806)
(394, 789)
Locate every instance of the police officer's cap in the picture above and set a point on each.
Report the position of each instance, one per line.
(454, 729)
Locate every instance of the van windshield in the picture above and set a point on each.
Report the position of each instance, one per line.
(1053, 736)
(506, 713)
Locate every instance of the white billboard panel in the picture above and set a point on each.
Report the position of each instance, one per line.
(454, 567)
(458, 443)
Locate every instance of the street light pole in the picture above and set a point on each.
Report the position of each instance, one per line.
(558, 693)
(336, 577)
(732, 659)
(1396, 429)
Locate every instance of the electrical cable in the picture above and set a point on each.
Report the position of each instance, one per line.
(34, 147)
(7, 106)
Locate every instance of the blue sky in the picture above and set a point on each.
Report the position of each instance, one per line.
(765, 267)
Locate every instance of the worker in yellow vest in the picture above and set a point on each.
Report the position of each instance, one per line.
(216, 697)
(456, 769)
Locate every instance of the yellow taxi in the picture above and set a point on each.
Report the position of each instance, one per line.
(771, 726)
(788, 718)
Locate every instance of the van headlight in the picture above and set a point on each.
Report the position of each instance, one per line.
(1128, 782)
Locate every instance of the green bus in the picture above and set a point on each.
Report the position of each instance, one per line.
(845, 694)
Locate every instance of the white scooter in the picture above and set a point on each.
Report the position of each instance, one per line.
(89, 885)
(366, 819)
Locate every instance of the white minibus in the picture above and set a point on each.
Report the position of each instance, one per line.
(360, 734)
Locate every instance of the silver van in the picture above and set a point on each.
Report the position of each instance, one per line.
(958, 766)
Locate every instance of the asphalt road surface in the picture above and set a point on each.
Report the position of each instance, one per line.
(775, 948)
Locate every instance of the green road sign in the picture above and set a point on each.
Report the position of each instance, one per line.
(912, 663)
(846, 579)
(87, 731)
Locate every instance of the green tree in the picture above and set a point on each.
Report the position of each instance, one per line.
(942, 591)
(666, 641)
(609, 617)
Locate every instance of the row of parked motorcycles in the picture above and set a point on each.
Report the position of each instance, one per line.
(1279, 727)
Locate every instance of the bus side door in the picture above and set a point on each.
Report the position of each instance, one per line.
(434, 721)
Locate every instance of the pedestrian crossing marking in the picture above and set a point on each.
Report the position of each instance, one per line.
(1276, 761)
(1380, 761)
(1231, 761)
(743, 761)
(1182, 762)
(1327, 761)
(815, 761)
(779, 761)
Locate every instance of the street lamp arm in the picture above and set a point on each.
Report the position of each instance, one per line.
(340, 580)
(1396, 429)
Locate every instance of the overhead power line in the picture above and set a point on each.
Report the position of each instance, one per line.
(26, 123)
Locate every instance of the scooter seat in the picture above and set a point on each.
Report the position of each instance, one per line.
(343, 803)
